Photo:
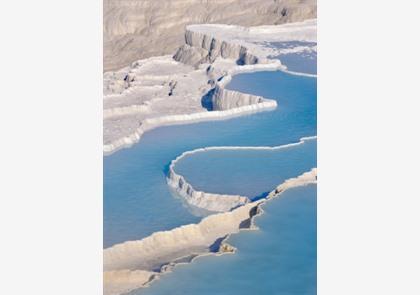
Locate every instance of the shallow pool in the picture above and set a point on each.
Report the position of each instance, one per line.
(251, 173)
(277, 259)
(137, 199)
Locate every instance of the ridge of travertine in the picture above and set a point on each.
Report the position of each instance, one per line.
(135, 264)
(204, 48)
(139, 98)
(211, 202)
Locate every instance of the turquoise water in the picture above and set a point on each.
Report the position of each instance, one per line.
(301, 62)
(290, 44)
(251, 173)
(137, 200)
(278, 259)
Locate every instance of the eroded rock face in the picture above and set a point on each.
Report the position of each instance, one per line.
(203, 48)
(227, 99)
(135, 29)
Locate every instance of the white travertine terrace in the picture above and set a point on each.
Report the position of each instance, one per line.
(210, 201)
(199, 199)
(205, 43)
(228, 99)
(161, 248)
(161, 91)
(124, 125)
(135, 264)
(205, 48)
(135, 133)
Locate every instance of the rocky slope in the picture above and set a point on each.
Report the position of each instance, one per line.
(135, 29)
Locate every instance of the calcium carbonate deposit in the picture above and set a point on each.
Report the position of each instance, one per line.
(155, 218)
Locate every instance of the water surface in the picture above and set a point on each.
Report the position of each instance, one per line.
(251, 173)
(304, 61)
(278, 259)
(137, 200)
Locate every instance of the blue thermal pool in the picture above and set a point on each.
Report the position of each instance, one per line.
(137, 199)
(277, 259)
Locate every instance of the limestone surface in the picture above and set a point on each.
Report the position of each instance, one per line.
(138, 29)
(164, 90)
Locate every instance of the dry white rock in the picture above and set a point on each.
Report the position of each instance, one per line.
(161, 91)
(138, 29)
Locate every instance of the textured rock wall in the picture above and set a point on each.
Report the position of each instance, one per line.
(200, 199)
(202, 48)
(135, 29)
(227, 99)
(163, 247)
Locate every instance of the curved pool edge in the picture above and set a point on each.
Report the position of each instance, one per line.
(214, 202)
(120, 260)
